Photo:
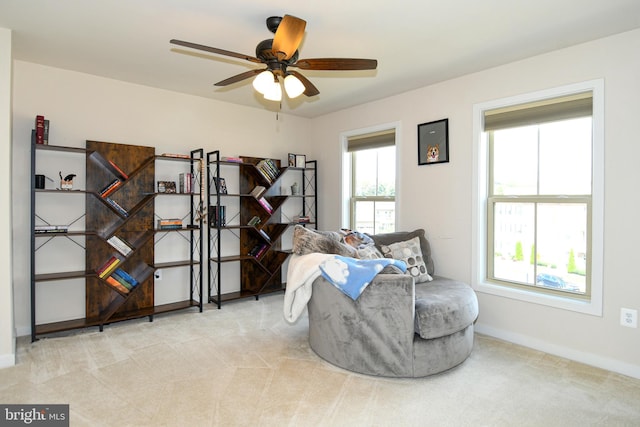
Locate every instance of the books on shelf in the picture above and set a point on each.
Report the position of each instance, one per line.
(120, 245)
(169, 224)
(122, 211)
(108, 267)
(110, 188)
(255, 220)
(265, 204)
(177, 156)
(185, 182)
(39, 129)
(51, 228)
(258, 250)
(231, 159)
(264, 234)
(121, 280)
(258, 191)
(303, 219)
(217, 216)
(269, 169)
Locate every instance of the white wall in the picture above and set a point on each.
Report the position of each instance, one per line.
(82, 107)
(438, 197)
(7, 341)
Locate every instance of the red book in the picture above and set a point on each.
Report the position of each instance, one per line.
(39, 129)
(120, 171)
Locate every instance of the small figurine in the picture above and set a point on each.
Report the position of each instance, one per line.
(66, 183)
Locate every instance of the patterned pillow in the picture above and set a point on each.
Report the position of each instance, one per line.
(410, 252)
(306, 241)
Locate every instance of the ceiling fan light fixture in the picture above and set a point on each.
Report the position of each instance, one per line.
(273, 92)
(263, 81)
(293, 86)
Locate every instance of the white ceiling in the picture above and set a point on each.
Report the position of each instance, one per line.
(415, 43)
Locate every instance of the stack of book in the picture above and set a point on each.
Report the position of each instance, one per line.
(303, 219)
(169, 224)
(122, 211)
(51, 229)
(231, 159)
(110, 188)
(108, 267)
(268, 169)
(42, 130)
(120, 245)
(258, 250)
(258, 191)
(176, 156)
(265, 204)
(264, 234)
(122, 281)
(185, 182)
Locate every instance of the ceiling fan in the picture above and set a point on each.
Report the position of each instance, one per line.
(280, 53)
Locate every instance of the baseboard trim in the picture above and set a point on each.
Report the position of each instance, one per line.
(613, 365)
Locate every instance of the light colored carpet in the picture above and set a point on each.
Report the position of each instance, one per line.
(244, 365)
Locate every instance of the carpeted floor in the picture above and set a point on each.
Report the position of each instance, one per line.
(244, 365)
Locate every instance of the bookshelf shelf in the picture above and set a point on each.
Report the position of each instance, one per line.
(257, 238)
(126, 234)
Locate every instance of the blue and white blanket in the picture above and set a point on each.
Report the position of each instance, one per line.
(350, 275)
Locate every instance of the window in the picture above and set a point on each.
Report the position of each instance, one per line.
(539, 211)
(373, 173)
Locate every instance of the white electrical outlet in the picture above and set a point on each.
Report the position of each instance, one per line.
(158, 274)
(629, 317)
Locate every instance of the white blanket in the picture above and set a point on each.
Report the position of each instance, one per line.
(302, 271)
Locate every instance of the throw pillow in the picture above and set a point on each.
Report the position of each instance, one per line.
(410, 252)
(385, 239)
(306, 241)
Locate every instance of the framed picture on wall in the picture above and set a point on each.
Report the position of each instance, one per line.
(301, 161)
(433, 142)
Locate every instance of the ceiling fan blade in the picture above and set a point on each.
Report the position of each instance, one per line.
(309, 88)
(214, 50)
(288, 37)
(238, 77)
(336, 64)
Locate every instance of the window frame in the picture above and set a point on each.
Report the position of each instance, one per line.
(588, 304)
(355, 199)
(347, 170)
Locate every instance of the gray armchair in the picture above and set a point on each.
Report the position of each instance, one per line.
(396, 328)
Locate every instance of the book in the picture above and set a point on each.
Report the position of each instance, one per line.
(116, 285)
(265, 204)
(231, 159)
(126, 276)
(120, 245)
(110, 188)
(120, 171)
(255, 220)
(39, 229)
(264, 234)
(39, 129)
(217, 216)
(221, 185)
(122, 211)
(177, 156)
(45, 136)
(108, 267)
(258, 191)
(185, 182)
(121, 280)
